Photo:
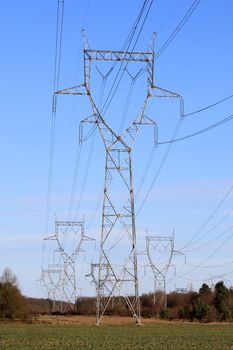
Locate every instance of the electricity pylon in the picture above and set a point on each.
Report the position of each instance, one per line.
(51, 279)
(118, 215)
(69, 237)
(159, 248)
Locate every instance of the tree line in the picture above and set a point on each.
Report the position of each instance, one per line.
(208, 304)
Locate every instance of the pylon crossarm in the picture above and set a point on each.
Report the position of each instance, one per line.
(161, 92)
(73, 90)
(112, 55)
(69, 223)
(157, 91)
(88, 238)
(159, 238)
(52, 238)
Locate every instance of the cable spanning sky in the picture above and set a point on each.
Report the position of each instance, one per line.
(187, 186)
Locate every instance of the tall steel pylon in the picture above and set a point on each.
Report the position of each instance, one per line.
(118, 216)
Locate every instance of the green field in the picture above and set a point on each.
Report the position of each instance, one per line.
(156, 336)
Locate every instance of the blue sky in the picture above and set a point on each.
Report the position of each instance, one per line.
(197, 64)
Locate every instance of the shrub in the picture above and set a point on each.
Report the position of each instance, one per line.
(12, 304)
(164, 314)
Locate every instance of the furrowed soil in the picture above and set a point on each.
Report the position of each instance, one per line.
(80, 333)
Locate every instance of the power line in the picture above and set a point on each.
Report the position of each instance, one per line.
(112, 92)
(57, 66)
(220, 203)
(209, 106)
(213, 266)
(125, 47)
(209, 231)
(178, 28)
(146, 170)
(209, 242)
(170, 17)
(98, 202)
(86, 13)
(58, 46)
(209, 256)
(210, 127)
(92, 133)
(161, 165)
(75, 179)
(89, 158)
(128, 99)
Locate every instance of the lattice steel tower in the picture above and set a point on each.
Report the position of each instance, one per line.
(118, 268)
(160, 248)
(60, 277)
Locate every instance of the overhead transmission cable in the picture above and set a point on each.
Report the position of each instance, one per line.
(57, 67)
(161, 165)
(209, 106)
(210, 241)
(199, 132)
(78, 150)
(207, 233)
(116, 83)
(128, 99)
(92, 133)
(195, 267)
(75, 179)
(146, 170)
(173, 140)
(86, 13)
(212, 266)
(178, 28)
(125, 48)
(89, 158)
(159, 53)
(210, 255)
(220, 203)
(170, 17)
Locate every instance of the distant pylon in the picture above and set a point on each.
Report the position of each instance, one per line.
(159, 245)
(60, 279)
(51, 279)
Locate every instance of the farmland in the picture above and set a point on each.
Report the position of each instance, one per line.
(158, 336)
